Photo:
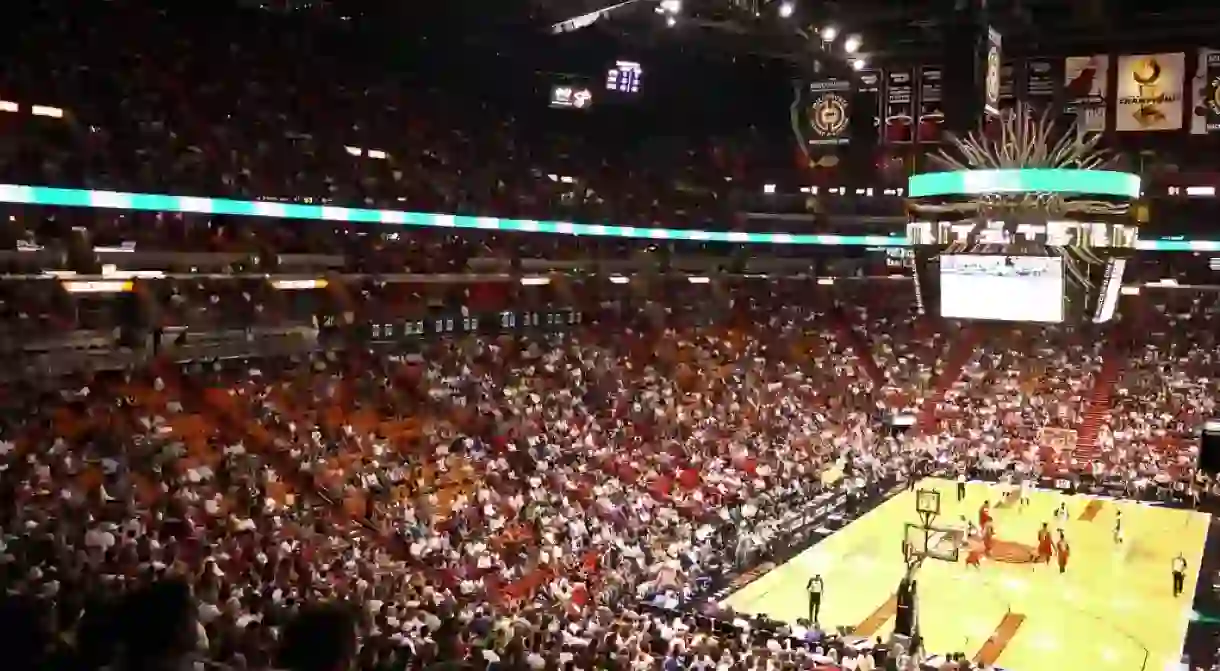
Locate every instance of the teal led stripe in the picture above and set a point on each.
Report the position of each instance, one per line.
(38, 195)
(976, 182)
(1178, 245)
(115, 200)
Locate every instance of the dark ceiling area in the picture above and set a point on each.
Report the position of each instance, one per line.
(902, 29)
(891, 29)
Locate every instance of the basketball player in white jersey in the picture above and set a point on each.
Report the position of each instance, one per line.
(1023, 488)
(1062, 515)
(1118, 528)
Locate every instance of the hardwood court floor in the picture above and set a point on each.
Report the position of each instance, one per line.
(1113, 609)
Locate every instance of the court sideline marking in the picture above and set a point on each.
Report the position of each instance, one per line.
(1004, 632)
(1091, 510)
(873, 623)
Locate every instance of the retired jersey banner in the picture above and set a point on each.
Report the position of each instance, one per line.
(1150, 92)
(1008, 85)
(829, 112)
(899, 106)
(870, 84)
(1206, 90)
(931, 104)
(1085, 90)
(1042, 81)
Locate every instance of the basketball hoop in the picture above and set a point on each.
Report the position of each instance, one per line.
(927, 504)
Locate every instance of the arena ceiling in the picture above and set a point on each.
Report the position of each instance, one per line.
(916, 28)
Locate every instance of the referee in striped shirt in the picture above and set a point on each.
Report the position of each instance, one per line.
(1179, 574)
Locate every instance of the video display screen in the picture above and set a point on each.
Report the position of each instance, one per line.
(1002, 288)
(574, 97)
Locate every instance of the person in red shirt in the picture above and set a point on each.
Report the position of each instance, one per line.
(1045, 546)
(985, 515)
(1063, 551)
(988, 538)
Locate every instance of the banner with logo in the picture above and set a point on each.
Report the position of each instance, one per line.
(1042, 80)
(1150, 92)
(931, 104)
(1085, 90)
(1206, 90)
(991, 73)
(899, 106)
(829, 112)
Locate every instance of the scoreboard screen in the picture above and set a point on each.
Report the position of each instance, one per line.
(1002, 288)
(624, 77)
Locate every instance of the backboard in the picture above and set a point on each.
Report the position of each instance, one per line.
(934, 542)
(927, 502)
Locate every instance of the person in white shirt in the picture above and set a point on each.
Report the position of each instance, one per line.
(1179, 574)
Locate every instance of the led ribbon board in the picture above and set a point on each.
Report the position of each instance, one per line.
(148, 202)
(980, 182)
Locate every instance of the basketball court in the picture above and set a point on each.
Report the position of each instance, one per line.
(1113, 608)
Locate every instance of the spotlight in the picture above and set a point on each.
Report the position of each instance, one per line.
(785, 10)
(671, 21)
(858, 64)
(672, 6)
(852, 44)
(829, 33)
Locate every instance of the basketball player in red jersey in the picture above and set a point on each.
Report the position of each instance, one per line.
(1063, 551)
(1045, 545)
(974, 555)
(988, 538)
(985, 515)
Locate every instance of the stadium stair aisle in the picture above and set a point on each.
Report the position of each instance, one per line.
(957, 354)
(852, 338)
(1099, 405)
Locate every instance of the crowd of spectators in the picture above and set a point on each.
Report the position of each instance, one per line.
(550, 501)
(1021, 394)
(1167, 389)
(507, 502)
(557, 500)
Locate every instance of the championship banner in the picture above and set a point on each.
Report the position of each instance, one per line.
(1206, 90)
(1008, 85)
(931, 104)
(991, 73)
(1042, 79)
(899, 106)
(1150, 92)
(1085, 91)
(829, 112)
